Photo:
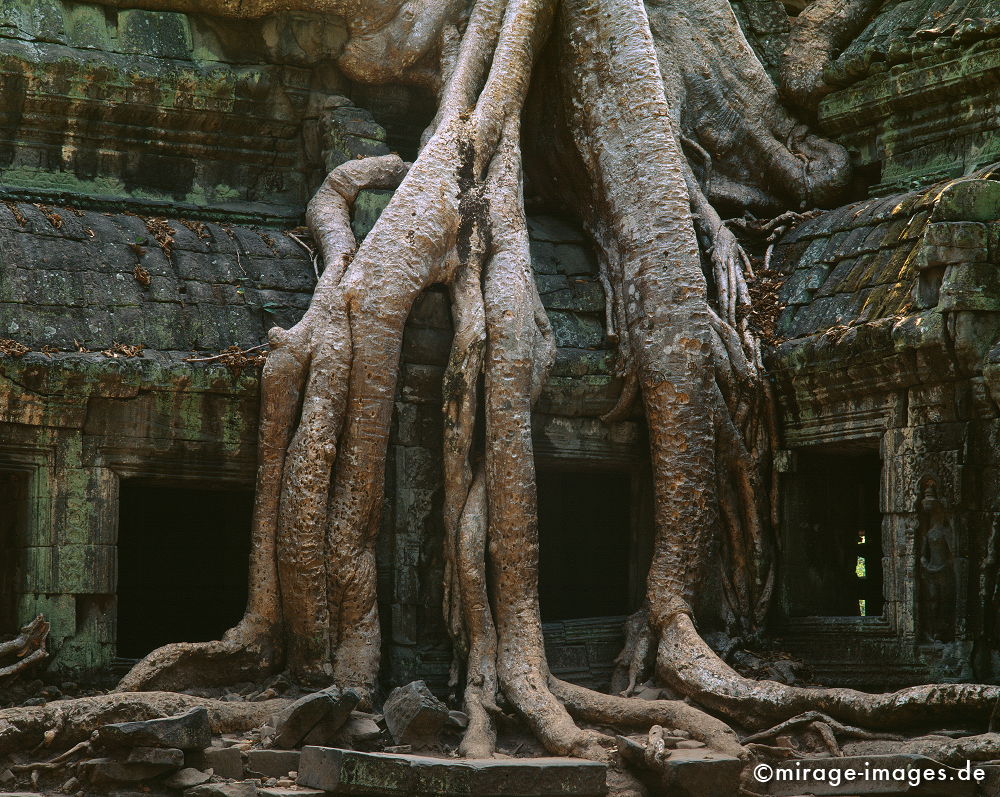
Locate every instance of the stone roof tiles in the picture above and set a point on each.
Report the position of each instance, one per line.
(860, 263)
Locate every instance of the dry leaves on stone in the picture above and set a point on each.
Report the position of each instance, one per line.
(162, 232)
(197, 227)
(117, 350)
(16, 213)
(11, 348)
(235, 358)
(51, 216)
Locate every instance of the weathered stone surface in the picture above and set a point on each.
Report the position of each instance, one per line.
(187, 731)
(352, 772)
(282, 791)
(413, 715)
(273, 763)
(357, 730)
(325, 731)
(295, 723)
(298, 719)
(242, 789)
(162, 756)
(110, 770)
(224, 761)
(187, 778)
(700, 773)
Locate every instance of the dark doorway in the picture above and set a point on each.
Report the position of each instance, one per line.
(182, 563)
(833, 533)
(14, 511)
(585, 543)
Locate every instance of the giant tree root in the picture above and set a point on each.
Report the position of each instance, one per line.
(632, 713)
(818, 35)
(66, 722)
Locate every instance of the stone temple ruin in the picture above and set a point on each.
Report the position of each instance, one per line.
(154, 169)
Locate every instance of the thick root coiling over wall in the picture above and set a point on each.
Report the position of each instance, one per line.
(652, 106)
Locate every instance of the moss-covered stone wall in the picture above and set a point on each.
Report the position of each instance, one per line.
(166, 110)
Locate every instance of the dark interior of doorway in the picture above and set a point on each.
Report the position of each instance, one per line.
(13, 531)
(183, 554)
(585, 543)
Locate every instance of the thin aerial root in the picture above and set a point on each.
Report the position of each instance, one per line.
(810, 717)
(28, 648)
(21, 665)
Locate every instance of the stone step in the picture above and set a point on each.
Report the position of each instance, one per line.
(273, 763)
(701, 773)
(350, 772)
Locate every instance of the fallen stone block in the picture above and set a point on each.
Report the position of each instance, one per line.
(273, 763)
(351, 772)
(187, 778)
(243, 789)
(294, 723)
(359, 729)
(226, 762)
(187, 731)
(110, 770)
(413, 715)
(325, 731)
(163, 756)
(700, 773)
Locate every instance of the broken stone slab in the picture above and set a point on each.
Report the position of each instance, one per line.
(359, 728)
(187, 731)
(701, 773)
(351, 772)
(224, 761)
(243, 789)
(331, 707)
(110, 770)
(273, 763)
(164, 756)
(901, 764)
(413, 715)
(187, 778)
(292, 724)
(324, 733)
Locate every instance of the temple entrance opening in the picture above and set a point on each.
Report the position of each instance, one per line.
(182, 563)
